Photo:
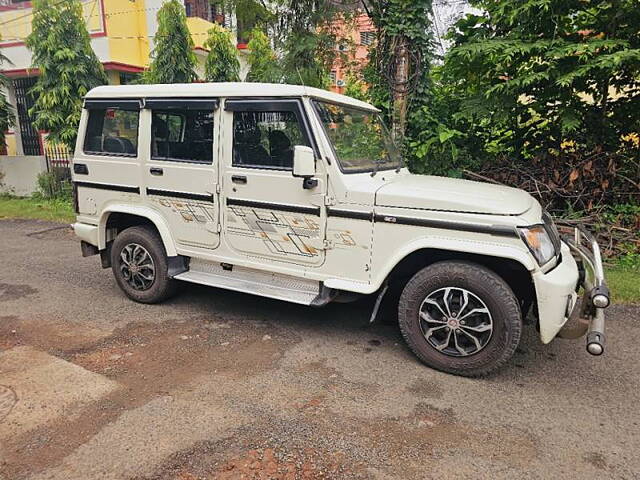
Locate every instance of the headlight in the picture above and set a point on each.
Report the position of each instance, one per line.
(539, 242)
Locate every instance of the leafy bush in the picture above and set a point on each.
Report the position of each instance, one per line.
(55, 184)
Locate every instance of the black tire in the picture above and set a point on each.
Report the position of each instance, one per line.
(161, 287)
(485, 285)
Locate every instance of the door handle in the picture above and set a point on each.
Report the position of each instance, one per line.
(80, 168)
(241, 179)
(157, 171)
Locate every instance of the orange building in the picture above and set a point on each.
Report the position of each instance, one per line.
(355, 37)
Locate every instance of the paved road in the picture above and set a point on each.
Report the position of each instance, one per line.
(219, 385)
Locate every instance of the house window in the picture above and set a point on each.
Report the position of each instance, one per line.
(128, 78)
(333, 76)
(367, 38)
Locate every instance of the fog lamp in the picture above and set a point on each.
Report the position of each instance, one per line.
(600, 300)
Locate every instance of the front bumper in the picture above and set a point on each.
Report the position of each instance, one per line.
(589, 317)
(560, 311)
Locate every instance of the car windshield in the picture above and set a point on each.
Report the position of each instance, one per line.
(361, 141)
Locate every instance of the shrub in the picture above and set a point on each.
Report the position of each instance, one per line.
(55, 184)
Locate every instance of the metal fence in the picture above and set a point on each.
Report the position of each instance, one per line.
(58, 156)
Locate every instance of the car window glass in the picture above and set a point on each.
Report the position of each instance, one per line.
(182, 135)
(112, 131)
(266, 139)
(359, 137)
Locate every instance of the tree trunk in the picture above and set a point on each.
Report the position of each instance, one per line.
(400, 90)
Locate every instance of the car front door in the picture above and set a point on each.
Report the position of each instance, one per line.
(181, 168)
(267, 211)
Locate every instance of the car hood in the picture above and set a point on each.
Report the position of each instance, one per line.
(452, 194)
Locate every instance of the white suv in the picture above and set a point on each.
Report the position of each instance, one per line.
(299, 194)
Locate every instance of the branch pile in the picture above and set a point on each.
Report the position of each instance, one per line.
(600, 190)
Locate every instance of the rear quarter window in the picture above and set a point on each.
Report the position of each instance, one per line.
(112, 131)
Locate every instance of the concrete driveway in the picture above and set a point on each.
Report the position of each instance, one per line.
(219, 385)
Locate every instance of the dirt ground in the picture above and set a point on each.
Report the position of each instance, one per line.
(219, 385)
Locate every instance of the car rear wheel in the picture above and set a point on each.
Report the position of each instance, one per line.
(460, 317)
(139, 264)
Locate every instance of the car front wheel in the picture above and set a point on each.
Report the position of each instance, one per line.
(460, 317)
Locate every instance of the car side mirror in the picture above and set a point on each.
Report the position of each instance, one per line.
(304, 165)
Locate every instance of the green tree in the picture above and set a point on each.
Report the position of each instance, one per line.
(7, 115)
(173, 60)
(402, 58)
(68, 67)
(222, 64)
(540, 72)
(307, 40)
(263, 63)
(301, 31)
(399, 71)
(249, 14)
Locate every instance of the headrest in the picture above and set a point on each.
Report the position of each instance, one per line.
(160, 129)
(279, 140)
(113, 145)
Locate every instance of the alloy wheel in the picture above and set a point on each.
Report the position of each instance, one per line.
(455, 321)
(137, 267)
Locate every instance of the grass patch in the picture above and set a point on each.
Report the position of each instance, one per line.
(36, 207)
(624, 284)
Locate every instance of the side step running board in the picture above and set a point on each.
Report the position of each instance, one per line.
(256, 282)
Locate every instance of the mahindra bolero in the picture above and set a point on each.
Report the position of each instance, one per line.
(300, 194)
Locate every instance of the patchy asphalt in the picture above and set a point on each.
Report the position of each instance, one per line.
(221, 385)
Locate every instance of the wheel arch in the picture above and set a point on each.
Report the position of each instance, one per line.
(513, 268)
(119, 217)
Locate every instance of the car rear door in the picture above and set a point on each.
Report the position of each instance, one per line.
(180, 171)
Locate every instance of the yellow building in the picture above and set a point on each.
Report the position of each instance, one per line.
(122, 34)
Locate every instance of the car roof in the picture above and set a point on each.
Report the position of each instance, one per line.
(223, 89)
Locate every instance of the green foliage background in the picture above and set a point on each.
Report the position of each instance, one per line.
(543, 95)
(523, 78)
(69, 68)
(411, 21)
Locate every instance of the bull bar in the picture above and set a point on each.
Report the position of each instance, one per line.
(585, 250)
